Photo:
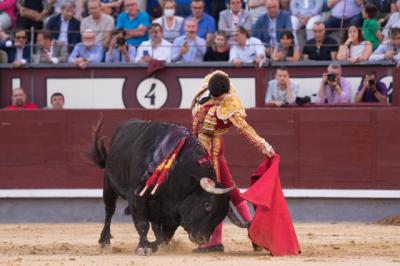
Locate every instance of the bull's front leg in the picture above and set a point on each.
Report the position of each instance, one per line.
(163, 233)
(142, 225)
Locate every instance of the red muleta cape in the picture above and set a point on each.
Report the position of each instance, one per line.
(271, 227)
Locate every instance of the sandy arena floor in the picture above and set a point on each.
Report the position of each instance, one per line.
(76, 244)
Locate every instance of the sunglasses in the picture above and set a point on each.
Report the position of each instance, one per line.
(20, 37)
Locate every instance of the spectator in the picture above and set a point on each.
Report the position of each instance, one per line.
(393, 22)
(385, 9)
(344, 13)
(135, 22)
(18, 52)
(256, 8)
(31, 13)
(371, 89)
(305, 13)
(189, 47)
(371, 29)
(111, 7)
(219, 50)
(334, 88)
(49, 51)
(268, 26)
(281, 90)
(18, 99)
(246, 49)
(321, 47)
(287, 50)
(215, 7)
(388, 50)
(234, 16)
(119, 50)
(205, 22)
(7, 14)
(64, 27)
(57, 101)
(156, 48)
(170, 23)
(86, 51)
(102, 24)
(353, 47)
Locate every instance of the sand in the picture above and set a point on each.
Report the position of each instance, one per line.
(76, 244)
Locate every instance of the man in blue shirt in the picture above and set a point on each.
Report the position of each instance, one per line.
(135, 22)
(86, 51)
(189, 47)
(205, 22)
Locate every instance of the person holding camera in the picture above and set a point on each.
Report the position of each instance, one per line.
(156, 48)
(119, 51)
(371, 90)
(334, 88)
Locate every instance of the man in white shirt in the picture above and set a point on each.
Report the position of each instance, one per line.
(156, 48)
(389, 49)
(246, 49)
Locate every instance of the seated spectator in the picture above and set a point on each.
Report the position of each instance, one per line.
(385, 9)
(246, 49)
(111, 7)
(86, 51)
(189, 47)
(256, 8)
(119, 51)
(205, 23)
(287, 50)
(393, 22)
(321, 47)
(32, 13)
(57, 101)
(7, 14)
(305, 13)
(156, 48)
(388, 50)
(219, 50)
(371, 90)
(233, 17)
(64, 27)
(18, 52)
(344, 13)
(281, 90)
(102, 24)
(49, 51)
(353, 48)
(371, 29)
(170, 23)
(334, 88)
(135, 22)
(18, 101)
(268, 26)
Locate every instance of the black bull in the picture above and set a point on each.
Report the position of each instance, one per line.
(136, 149)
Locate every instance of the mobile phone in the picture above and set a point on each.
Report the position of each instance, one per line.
(145, 53)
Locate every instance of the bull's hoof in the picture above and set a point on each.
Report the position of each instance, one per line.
(145, 251)
(215, 248)
(103, 245)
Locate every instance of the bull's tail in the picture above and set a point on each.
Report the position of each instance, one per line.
(98, 153)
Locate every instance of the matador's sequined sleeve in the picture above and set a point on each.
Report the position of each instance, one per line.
(249, 133)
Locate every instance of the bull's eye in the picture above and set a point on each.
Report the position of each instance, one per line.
(207, 206)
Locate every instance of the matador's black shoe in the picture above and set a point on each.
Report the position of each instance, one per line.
(215, 248)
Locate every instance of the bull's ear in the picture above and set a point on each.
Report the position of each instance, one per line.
(209, 185)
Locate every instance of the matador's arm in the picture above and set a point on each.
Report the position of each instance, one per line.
(250, 134)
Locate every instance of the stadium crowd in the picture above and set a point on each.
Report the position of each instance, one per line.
(237, 31)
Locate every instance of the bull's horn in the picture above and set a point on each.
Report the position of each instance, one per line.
(209, 185)
(235, 220)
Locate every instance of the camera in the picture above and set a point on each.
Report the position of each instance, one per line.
(371, 82)
(331, 77)
(120, 36)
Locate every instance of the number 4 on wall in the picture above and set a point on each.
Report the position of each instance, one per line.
(151, 94)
